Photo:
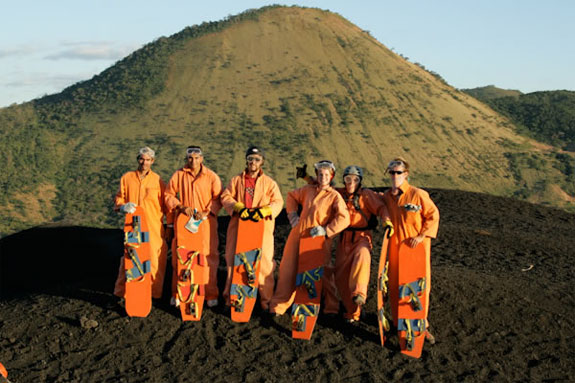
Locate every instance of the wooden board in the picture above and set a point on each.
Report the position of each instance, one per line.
(192, 269)
(382, 280)
(137, 254)
(306, 305)
(412, 302)
(246, 269)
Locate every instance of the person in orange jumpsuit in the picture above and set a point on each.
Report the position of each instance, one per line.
(253, 189)
(323, 213)
(415, 219)
(145, 188)
(3, 374)
(197, 188)
(353, 255)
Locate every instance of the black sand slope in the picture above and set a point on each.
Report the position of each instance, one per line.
(502, 309)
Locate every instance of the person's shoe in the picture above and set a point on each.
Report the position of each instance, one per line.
(350, 320)
(174, 302)
(212, 303)
(429, 337)
(359, 300)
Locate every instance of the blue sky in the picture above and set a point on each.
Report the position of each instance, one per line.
(527, 45)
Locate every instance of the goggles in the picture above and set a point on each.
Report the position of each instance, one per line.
(254, 159)
(194, 151)
(325, 164)
(351, 178)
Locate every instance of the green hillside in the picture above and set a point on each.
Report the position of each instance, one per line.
(490, 92)
(548, 116)
(304, 84)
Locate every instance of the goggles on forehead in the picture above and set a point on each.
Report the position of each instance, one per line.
(325, 164)
(393, 164)
(194, 151)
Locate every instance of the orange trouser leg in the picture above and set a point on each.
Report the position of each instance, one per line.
(352, 273)
(285, 288)
(158, 269)
(342, 272)
(359, 270)
(266, 276)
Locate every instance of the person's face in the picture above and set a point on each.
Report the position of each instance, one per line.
(398, 175)
(351, 182)
(195, 161)
(323, 177)
(254, 163)
(145, 162)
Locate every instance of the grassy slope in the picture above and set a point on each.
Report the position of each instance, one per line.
(304, 84)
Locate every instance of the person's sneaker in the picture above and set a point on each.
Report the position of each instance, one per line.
(350, 320)
(174, 301)
(212, 303)
(359, 300)
(429, 337)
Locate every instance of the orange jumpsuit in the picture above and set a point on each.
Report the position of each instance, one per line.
(148, 193)
(409, 224)
(319, 207)
(266, 193)
(201, 192)
(353, 255)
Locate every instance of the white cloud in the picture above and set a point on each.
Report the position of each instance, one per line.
(91, 51)
(18, 51)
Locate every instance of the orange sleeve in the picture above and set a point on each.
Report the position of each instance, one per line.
(215, 205)
(430, 216)
(171, 191)
(376, 205)
(294, 199)
(276, 199)
(121, 195)
(341, 217)
(228, 197)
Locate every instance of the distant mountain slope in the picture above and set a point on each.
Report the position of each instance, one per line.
(490, 92)
(548, 116)
(304, 84)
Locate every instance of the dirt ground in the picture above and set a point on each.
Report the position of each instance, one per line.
(493, 321)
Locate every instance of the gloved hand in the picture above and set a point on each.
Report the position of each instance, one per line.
(256, 215)
(388, 224)
(128, 208)
(242, 211)
(238, 207)
(301, 172)
(293, 219)
(265, 211)
(317, 231)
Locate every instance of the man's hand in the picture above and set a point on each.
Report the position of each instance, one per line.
(317, 231)
(262, 213)
(293, 219)
(301, 172)
(128, 208)
(387, 224)
(185, 210)
(414, 241)
(200, 215)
